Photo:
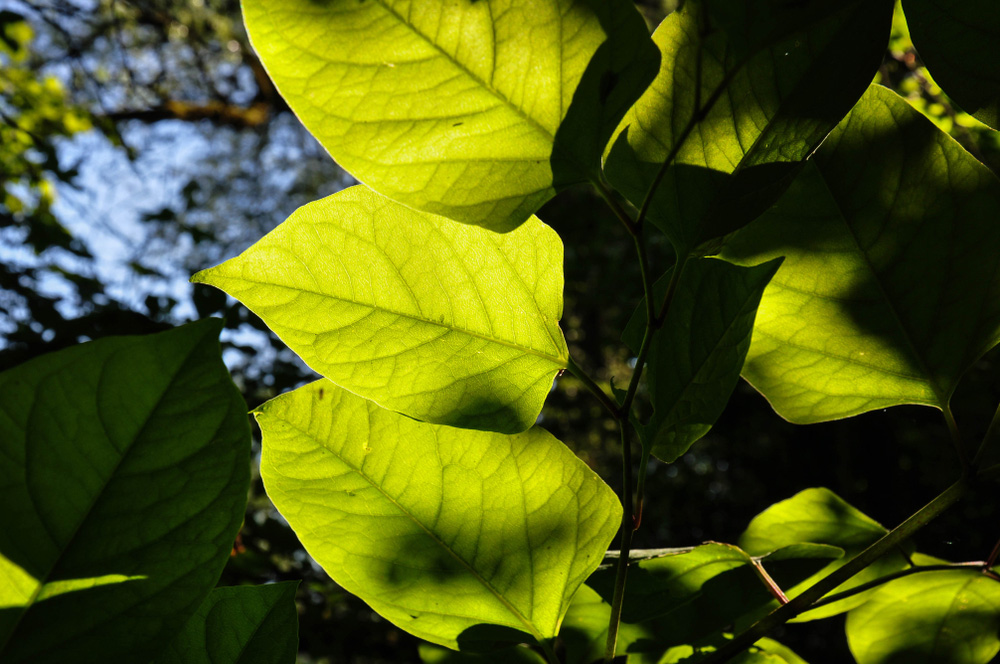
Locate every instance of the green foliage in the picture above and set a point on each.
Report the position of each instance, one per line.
(126, 468)
(447, 533)
(239, 625)
(738, 105)
(957, 41)
(474, 110)
(857, 272)
(440, 321)
(695, 364)
(947, 617)
(885, 296)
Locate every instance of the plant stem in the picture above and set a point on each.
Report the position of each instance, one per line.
(593, 387)
(619, 211)
(874, 583)
(641, 489)
(992, 433)
(956, 437)
(814, 593)
(618, 598)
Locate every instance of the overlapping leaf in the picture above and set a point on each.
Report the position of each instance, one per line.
(441, 321)
(959, 41)
(695, 360)
(946, 617)
(819, 516)
(456, 536)
(678, 600)
(890, 287)
(239, 625)
(126, 464)
(745, 93)
(473, 110)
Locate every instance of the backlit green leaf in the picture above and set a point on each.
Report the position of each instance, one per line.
(959, 41)
(477, 110)
(890, 287)
(432, 654)
(126, 465)
(444, 322)
(949, 617)
(239, 625)
(819, 516)
(456, 536)
(774, 77)
(695, 360)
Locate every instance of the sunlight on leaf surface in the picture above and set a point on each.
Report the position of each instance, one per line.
(476, 110)
(948, 617)
(890, 287)
(455, 536)
(443, 322)
(125, 474)
(778, 79)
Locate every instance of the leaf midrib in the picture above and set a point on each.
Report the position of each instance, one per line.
(558, 360)
(475, 574)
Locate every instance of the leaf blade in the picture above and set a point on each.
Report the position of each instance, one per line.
(444, 322)
(455, 536)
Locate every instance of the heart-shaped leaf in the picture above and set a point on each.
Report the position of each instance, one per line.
(890, 287)
(124, 481)
(444, 322)
(476, 110)
(456, 536)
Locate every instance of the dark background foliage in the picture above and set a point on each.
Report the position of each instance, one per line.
(140, 141)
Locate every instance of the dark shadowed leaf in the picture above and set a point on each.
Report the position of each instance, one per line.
(239, 625)
(695, 360)
(124, 481)
(774, 77)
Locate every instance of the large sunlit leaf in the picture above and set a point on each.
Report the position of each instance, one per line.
(959, 41)
(239, 625)
(432, 654)
(126, 465)
(679, 599)
(948, 617)
(775, 79)
(695, 361)
(819, 516)
(477, 110)
(890, 287)
(456, 536)
(441, 321)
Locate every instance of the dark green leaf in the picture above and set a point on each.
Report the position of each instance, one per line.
(959, 41)
(239, 625)
(695, 360)
(124, 481)
(774, 78)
